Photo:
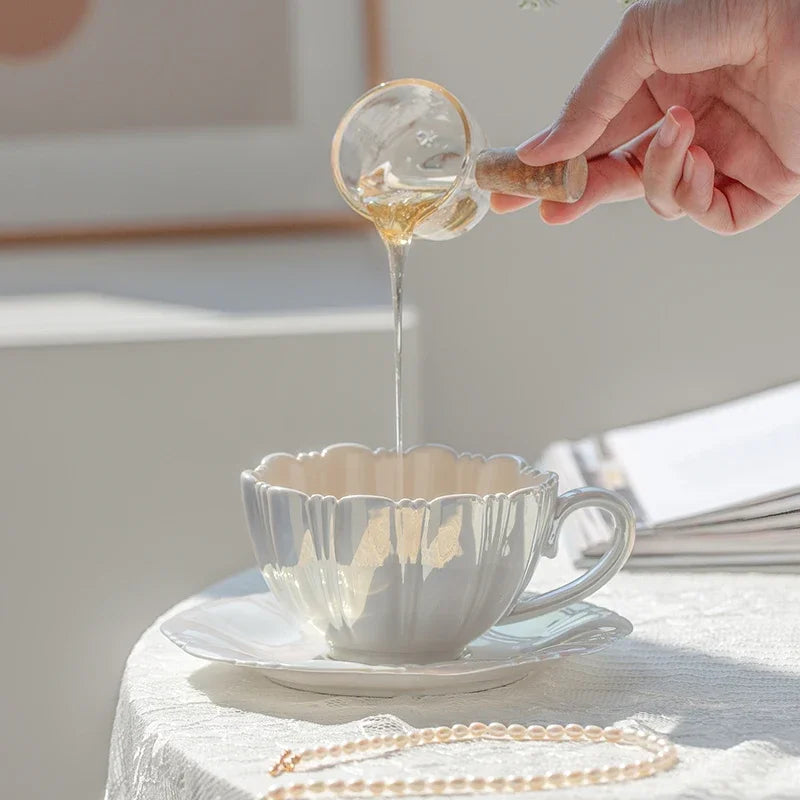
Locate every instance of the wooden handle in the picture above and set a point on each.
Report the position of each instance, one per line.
(499, 170)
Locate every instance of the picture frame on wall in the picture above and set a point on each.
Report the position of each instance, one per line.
(191, 118)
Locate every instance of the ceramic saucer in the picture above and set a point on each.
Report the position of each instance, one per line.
(254, 631)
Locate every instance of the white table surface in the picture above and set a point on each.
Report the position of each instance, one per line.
(714, 663)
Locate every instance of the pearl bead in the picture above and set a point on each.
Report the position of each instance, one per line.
(437, 785)
(416, 786)
(357, 786)
(428, 734)
(363, 745)
(555, 778)
(611, 772)
(337, 786)
(415, 737)
(376, 787)
(316, 787)
(443, 734)
(396, 787)
(305, 755)
(458, 784)
(574, 731)
(460, 731)
(663, 760)
(497, 729)
(536, 732)
(477, 784)
(401, 740)
(629, 735)
(594, 775)
(477, 729)
(630, 770)
(277, 794)
(593, 732)
(377, 742)
(554, 731)
(335, 751)
(575, 777)
(612, 734)
(321, 752)
(496, 784)
(536, 782)
(517, 731)
(517, 783)
(348, 748)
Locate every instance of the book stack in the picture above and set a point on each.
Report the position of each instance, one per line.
(717, 488)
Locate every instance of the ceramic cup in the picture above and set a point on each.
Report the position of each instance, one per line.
(413, 581)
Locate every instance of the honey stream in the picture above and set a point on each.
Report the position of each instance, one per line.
(396, 210)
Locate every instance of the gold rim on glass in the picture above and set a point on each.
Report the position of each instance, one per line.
(337, 137)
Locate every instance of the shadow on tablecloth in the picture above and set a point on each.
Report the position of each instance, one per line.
(699, 699)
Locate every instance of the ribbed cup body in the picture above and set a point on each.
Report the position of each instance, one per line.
(398, 581)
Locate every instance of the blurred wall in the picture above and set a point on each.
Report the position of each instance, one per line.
(533, 333)
(122, 444)
(147, 64)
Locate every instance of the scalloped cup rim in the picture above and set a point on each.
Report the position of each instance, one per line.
(547, 477)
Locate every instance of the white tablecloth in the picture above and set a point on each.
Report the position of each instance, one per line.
(714, 663)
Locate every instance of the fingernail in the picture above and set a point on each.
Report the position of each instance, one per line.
(533, 142)
(688, 167)
(668, 132)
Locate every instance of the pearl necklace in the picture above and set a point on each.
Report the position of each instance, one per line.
(663, 756)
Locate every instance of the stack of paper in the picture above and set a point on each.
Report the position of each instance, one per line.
(713, 488)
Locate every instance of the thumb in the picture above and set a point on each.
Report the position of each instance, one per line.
(608, 84)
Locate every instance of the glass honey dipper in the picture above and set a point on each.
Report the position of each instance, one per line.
(410, 145)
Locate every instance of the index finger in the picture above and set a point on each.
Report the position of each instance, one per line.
(613, 78)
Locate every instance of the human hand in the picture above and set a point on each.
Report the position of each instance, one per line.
(695, 105)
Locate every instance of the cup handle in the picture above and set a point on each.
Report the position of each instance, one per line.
(602, 572)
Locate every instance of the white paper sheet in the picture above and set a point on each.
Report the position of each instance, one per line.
(707, 460)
